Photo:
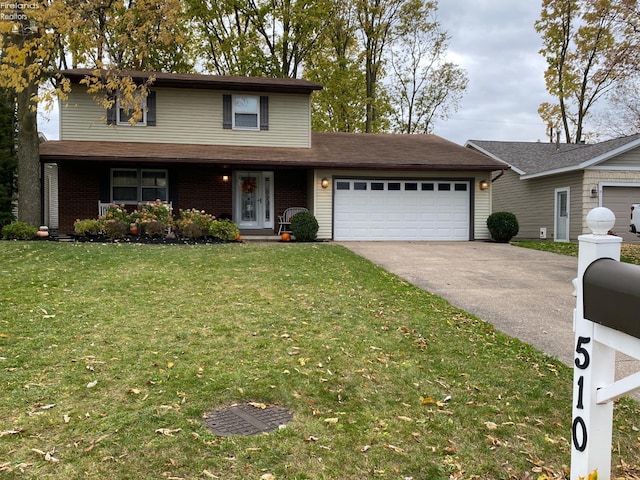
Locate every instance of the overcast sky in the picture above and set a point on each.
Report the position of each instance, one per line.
(496, 43)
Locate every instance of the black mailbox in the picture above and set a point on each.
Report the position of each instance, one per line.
(611, 293)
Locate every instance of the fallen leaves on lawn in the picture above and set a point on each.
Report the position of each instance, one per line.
(48, 456)
(393, 448)
(169, 432)
(11, 432)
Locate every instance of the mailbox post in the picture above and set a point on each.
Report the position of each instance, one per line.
(604, 323)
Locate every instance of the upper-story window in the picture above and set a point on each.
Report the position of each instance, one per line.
(245, 112)
(124, 114)
(117, 115)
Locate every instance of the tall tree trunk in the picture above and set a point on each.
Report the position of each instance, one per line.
(29, 183)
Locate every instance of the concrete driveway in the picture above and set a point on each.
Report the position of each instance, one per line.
(524, 293)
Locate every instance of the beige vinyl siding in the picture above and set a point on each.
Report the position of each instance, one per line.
(630, 159)
(597, 179)
(322, 199)
(532, 201)
(189, 116)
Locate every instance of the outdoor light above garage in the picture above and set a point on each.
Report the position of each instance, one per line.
(324, 183)
(484, 185)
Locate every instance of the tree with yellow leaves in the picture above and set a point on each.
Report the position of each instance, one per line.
(110, 36)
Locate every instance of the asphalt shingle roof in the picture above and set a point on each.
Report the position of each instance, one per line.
(328, 150)
(195, 80)
(537, 158)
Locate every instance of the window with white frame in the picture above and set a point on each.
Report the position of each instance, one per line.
(246, 112)
(130, 185)
(124, 113)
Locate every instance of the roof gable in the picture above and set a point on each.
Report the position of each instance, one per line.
(536, 159)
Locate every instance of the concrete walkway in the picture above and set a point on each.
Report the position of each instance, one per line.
(524, 293)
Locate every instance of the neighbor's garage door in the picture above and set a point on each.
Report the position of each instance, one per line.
(618, 200)
(401, 210)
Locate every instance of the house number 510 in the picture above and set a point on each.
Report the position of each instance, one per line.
(579, 428)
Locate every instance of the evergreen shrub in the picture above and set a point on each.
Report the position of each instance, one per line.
(304, 227)
(503, 226)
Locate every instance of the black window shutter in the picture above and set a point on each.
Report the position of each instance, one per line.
(264, 112)
(104, 175)
(112, 113)
(227, 121)
(151, 109)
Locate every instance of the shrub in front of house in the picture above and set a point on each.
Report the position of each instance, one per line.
(194, 223)
(6, 218)
(19, 231)
(148, 216)
(154, 228)
(87, 227)
(225, 230)
(304, 227)
(503, 226)
(115, 229)
(118, 213)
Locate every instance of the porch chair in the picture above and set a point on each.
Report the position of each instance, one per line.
(284, 220)
(103, 207)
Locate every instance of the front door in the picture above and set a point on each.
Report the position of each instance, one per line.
(562, 215)
(254, 200)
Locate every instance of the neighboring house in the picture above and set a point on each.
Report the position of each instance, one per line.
(551, 187)
(242, 148)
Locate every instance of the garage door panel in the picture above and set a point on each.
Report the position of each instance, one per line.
(402, 210)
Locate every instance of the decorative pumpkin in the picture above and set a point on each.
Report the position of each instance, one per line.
(43, 232)
(285, 237)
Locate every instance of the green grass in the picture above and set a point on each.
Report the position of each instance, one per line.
(411, 386)
(629, 252)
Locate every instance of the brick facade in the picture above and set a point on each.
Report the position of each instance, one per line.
(81, 185)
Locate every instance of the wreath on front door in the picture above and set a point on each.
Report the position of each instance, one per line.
(249, 185)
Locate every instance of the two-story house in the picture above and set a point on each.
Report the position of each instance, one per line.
(242, 148)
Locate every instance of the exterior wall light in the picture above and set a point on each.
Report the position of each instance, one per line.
(324, 183)
(225, 178)
(484, 185)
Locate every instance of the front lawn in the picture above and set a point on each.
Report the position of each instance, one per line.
(629, 252)
(111, 354)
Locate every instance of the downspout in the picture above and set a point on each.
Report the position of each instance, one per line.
(499, 175)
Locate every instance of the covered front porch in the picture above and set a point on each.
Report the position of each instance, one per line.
(252, 198)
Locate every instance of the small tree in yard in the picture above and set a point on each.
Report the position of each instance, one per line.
(503, 226)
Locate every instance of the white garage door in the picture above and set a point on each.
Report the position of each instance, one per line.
(619, 200)
(401, 210)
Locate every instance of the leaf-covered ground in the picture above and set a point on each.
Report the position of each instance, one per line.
(110, 355)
